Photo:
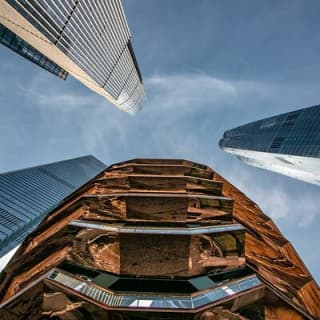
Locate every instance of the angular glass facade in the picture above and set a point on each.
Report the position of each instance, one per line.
(288, 143)
(27, 195)
(296, 133)
(93, 36)
(18, 45)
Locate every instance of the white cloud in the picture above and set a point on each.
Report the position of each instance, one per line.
(275, 195)
(46, 95)
(179, 119)
(183, 90)
(7, 257)
(64, 101)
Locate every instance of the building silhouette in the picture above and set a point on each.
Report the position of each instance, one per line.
(288, 143)
(157, 239)
(88, 39)
(26, 196)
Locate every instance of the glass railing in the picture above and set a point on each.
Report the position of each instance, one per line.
(153, 300)
(120, 228)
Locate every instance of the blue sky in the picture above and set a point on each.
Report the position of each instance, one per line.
(207, 66)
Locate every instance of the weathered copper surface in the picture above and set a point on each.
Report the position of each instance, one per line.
(165, 208)
(271, 255)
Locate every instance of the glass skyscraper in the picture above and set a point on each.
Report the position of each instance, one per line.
(27, 195)
(13, 42)
(288, 144)
(88, 39)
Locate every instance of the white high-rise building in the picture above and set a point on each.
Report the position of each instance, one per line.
(288, 144)
(88, 39)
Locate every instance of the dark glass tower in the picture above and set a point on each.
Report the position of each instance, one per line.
(27, 195)
(288, 143)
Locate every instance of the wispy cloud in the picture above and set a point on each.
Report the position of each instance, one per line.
(46, 95)
(183, 116)
(184, 90)
(275, 196)
(65, 102)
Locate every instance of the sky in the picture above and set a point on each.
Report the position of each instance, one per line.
(207, 66)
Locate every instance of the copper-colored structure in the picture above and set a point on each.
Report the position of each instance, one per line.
(158, 239)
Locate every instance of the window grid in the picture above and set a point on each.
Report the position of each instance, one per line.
(27, 195)
(12, 41)
(96, 37)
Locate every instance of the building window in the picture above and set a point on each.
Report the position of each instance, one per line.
(290, 120)
(277, 142)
